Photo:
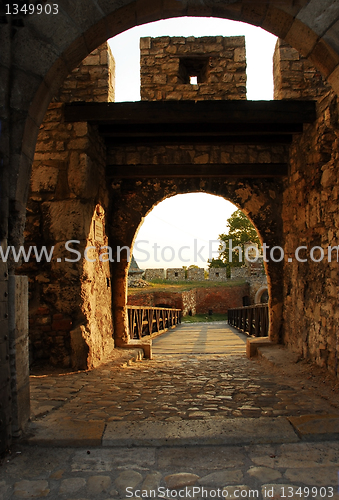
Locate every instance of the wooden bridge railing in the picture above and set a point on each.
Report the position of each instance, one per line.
(252, 320)
(144, 321)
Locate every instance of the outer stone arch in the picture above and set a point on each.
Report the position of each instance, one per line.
(132, 200)
(35, 79)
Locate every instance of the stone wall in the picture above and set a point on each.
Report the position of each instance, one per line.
(198, 155)
(310, 213)
(154, 274)
(217, 274)
(180, 274)
(167, 63)
(294, 75)
(175, 274)
(92, 81)
(195, 301)
(220, 299)
(70, 301)
(255, 283)
(194, 274)
(240, 272)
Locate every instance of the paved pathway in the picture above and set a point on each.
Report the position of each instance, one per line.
(201, 338)
(193, 391)
(175, 387)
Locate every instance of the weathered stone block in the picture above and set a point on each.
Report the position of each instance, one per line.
(79, 348)
(44, 178)
(67, 220)
(82, 176)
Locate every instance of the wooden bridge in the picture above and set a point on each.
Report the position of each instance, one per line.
(151, 321)
(252, 320)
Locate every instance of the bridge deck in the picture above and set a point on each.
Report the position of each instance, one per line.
(201, 338)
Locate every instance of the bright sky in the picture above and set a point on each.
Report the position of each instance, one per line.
(193, 220)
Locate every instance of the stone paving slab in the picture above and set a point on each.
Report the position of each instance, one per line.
(276, 471)
(316, 427)
(200, 432)
(66, 432)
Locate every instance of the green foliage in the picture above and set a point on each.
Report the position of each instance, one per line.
(204, 318)
(240, 231)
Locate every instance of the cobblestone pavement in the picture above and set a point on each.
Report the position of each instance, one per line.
(261, 471)
(176, 387)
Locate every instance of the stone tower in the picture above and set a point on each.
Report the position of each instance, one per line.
(192, 68)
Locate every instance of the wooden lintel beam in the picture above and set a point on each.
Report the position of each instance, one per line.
(116, 142)
(198, 129)
(193, 112)
(248, 170)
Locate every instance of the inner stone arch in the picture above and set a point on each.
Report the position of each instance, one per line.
(148, 193)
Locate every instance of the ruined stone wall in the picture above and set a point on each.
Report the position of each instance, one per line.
(217, 274)
(240, 272)
(156, 299)
(70, 302)
(189, 303)
(194, 274)
(154, 274)
(92, 81)
(175, 274)
(294, 75)
(167, 63)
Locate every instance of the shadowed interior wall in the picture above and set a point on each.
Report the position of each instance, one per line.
(70, 301)
(310, 216)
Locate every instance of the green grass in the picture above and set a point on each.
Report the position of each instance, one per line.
(180, 286)
(203, 318)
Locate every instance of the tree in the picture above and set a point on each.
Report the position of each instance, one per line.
(240, 231)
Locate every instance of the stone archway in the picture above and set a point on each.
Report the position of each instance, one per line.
(40, 68)
(133, 200)
(259, 294)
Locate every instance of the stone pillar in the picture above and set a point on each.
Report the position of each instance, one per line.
(18, 350)
(119, 301)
